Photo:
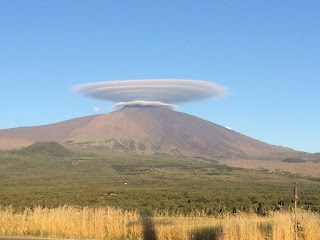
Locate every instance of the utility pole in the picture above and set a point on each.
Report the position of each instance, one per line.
(295, 198)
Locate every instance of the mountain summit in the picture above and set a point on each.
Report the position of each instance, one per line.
(150, 130)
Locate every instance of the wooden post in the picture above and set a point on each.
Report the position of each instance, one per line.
(295, 198)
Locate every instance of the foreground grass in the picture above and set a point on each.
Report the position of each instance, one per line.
(112, 223)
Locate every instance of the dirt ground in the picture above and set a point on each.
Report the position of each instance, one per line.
(305, 169)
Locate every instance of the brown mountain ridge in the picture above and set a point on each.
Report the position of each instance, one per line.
(148, 130)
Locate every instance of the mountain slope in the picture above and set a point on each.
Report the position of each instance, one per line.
(147, 130)
(51, 149)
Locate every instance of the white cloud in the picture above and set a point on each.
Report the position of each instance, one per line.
(144, 103)
(164, 91)
(96, 109)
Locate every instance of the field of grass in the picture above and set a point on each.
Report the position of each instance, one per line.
(31, 178)
(112, 223)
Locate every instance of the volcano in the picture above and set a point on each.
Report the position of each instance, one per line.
(147, 130)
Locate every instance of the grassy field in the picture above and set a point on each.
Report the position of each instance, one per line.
(40, 176)
(112, 223)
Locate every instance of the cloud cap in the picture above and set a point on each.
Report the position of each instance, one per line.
(150, 91)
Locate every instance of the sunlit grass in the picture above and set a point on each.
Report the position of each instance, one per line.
(111, 223)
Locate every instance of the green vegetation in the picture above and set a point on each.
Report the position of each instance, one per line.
(294, 160)
(45, 149)
(145, 183)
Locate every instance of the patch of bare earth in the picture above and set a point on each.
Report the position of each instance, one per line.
(12, 143)
(305, 169)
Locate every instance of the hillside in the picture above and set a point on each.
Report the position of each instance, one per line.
(141, 182)
(149, 130)
(44, 149)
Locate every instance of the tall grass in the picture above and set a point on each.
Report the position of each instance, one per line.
(112, 223)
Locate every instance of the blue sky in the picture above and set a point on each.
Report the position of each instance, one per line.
(267, 53)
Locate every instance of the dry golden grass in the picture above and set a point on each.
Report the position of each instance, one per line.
(111, 223)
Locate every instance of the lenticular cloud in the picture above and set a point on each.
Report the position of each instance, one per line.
(151, 92)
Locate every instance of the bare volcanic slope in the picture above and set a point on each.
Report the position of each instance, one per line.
(147, 130)
(25, 136)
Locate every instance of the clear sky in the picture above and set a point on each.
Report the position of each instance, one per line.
(267, 53)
